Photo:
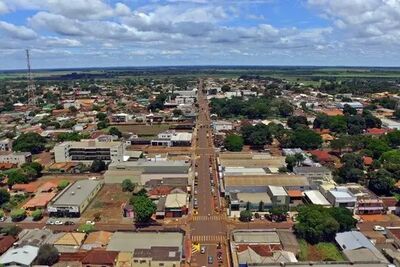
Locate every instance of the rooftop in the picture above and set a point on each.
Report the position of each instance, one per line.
(316, 198)
(76, 193)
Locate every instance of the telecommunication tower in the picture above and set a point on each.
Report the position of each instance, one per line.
(31, 85)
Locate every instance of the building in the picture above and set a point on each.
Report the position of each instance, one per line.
(142, 171)
(391, 124)
(219, 126)
(6, 144)
(356, 105)
(150, 248)
(74, 199)
(316, 198)
(98, 239)
(315, 174)
(100, 258)
(341, 197)
(242, 201)
(69, 242)
(17, 158)
(357, 247)
(39, 201)
(176, 205)
(22, 256)
(172, 138)
(279, 196)
(89, 150)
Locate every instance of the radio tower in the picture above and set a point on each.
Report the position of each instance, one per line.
(31, 86)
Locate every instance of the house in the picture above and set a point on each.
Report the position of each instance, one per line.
(21, 256)
(176, 205)
(220, 125)
(391, 124)
(39, 201)
(124, 259)
(357, 247)
(315, 174)
(97, 239)
(355, 104)
(36, 237)
(6, 241)
(100, 258)
(322, 156)
(70, 242)
(74, 199)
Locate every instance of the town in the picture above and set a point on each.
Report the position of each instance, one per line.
(201, 170)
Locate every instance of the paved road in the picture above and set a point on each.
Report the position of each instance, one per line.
(208, 227)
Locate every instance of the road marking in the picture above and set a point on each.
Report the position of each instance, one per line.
(208, 218)
(208, 238)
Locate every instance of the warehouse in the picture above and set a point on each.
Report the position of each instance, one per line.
(74, 199)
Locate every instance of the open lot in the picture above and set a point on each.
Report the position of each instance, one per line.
(108, 204)
(319, 252)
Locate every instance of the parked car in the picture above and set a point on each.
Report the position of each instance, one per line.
(210, 259)
(90, 222)
(2, 219)
(58, 223)
(203, 249)
(379, 228)
(69, 223)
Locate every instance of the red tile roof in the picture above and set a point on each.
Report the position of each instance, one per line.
(6, 242)
(262, 250)
(368, 160)
(389, 201)
(100, 257)
(321, 155)
(28, 188)
(295, 193)
(39, 201)
(376, 131)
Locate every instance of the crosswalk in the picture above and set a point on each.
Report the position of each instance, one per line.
(208, 238)
(208, 218)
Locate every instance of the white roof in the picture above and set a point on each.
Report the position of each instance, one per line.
(243, 171)
(182, 136)
(22, 256)
(342, 195)
(277, 190)
(316, 198)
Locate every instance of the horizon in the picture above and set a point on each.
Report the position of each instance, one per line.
(113, 33)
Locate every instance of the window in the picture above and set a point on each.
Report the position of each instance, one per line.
(161, 264)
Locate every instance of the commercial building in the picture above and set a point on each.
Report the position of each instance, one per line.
(341, 197)
(172, 138)
(219, 126)
(89, 150)
(74, 199)
(17, 158)
(279, 196)
(150, 248)
(314, 174)
(316, 198)
(22, 256)
(242, 201)
(176, 204)
(142, 171)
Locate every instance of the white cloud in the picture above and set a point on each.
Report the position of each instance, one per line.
(62, 42)
(3, 8)
(17, 32)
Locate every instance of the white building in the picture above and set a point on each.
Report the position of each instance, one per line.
(222, 126)
(172, 138)
(6, 144)
(89, 150)
(18, 158)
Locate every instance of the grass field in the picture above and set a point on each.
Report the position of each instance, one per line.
(320, 252)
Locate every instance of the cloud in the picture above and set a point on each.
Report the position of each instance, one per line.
(3, 8)
(17, 32)
(62, 42)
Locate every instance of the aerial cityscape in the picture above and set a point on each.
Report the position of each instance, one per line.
(200, 133)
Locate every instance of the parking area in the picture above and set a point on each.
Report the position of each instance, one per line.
(106, 207)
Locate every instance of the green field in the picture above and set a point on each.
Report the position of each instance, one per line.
(320, 252)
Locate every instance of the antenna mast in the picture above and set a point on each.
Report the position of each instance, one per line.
(31, 86)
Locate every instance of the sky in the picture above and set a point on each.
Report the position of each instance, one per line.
(107, 33)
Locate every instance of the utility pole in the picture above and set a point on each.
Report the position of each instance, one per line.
(31, 85)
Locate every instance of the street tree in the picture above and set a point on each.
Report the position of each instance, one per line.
(233, 142)
(47, 255)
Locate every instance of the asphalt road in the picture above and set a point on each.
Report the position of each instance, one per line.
(208, 227)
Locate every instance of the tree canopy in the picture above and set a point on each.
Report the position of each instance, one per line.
(257, 135)
(29, 142)
(233, 142)
(47, 255)
(143, 207)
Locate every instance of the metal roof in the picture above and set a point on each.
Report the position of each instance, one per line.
(76, 193)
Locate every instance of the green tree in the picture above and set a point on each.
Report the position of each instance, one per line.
(34, 165)
(233, 142)
(261, 206)
(371, 121)
(98, 166)
(102, 125)
(355, 125)
(127, 185)
(225, 88)
(29, 142)
(101, 116)
(349, 110)
(258, 135)
(290, 161)
(285, 109)
(73, 109)
(177, 112)
(377, 147)
(297, 121)
(143, 207)
(18, 215)
(396, 114)
(115, 131)
(12, 230)
(4, 196)
(16, 176)
(62, 184)
(393, 138)
(381, 182)
(245, 216)
(337, 124)
(391, 160)
(37, 214)
(47, 255)
(304, 139)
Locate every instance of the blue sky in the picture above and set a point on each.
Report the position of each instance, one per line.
(96, 33)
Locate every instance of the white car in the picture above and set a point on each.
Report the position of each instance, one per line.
(379, 228)
(90, 222)
(58, 223)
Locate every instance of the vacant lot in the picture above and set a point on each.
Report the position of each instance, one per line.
(143, 130)
(320, 252)
(108, 203)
